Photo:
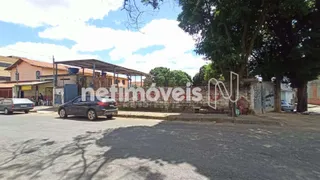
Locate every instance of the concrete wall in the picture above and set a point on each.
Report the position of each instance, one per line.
(262, 95)
(171, 105)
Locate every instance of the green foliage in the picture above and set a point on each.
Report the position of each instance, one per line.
(165, 77)
(198, 79)
(288, 43)
(228, 29)
(206, 72)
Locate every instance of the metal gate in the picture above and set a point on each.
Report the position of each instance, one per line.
(70, 92)
(6, 93)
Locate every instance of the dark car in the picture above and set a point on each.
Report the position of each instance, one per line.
(90, 108)
(10, 105)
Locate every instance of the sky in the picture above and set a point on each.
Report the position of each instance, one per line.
(80, 29)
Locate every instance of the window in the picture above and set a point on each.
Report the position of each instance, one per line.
(17, 76)
(77, 100)
(37, 74)
(123, 82)
(7, 101)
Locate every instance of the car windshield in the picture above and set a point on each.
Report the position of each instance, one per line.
(21, 100)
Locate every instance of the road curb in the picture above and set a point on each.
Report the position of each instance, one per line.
(205, 119)
(192, 118)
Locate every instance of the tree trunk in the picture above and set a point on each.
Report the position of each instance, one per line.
(232, 105)
(302, 98)
(277, 95)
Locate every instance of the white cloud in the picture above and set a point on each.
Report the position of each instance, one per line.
(177, 44)
(35, 13)
(67, 19)
(164, 58)
(42, 51)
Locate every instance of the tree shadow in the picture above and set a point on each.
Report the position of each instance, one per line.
(168, 150)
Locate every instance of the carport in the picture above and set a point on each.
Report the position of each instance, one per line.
(97, 65)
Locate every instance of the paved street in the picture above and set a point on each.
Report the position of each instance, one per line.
(41, 146)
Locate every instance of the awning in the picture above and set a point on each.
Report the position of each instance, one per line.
(7, 85)
(32, 83)
(102, 66)
(26, 84)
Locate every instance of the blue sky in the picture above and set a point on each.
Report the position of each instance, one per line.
(77, 29)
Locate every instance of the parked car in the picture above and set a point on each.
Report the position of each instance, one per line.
(10, 105)
(90, 108)
(285, 106)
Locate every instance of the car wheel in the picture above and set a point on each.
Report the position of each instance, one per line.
(6, 111)
(91, 114)
(109, 116)
(63, 113)
(26, 111)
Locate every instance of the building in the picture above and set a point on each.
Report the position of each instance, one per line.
(28, 78)
(105, 75)
(287, 93)
(4, 63)
(138, 83)
(6, 89)
(314, 92)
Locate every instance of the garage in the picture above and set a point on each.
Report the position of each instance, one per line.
(6, 90)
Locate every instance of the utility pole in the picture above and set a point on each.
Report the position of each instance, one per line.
(17, 81)
(54, 80)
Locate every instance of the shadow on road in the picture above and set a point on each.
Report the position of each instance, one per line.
(13, 114)
(168, 150)
(80, 118)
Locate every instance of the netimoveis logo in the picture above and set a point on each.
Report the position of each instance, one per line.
(217, 84)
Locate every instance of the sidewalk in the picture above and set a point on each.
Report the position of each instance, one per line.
(279, 119)
(43, 109)
(218, 118)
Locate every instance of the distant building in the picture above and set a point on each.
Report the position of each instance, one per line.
(314, 92)
(287, 93)
(4, 63)
(6, 89)
(28, 78)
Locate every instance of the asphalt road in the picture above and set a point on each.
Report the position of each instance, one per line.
(37, 146)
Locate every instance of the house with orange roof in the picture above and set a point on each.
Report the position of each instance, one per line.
(29, 78)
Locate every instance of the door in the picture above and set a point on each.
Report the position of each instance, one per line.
(78, 107)
(22, 94)
(72, 107)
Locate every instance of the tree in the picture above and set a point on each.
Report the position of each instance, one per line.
(206, 72)
(282, 36)
(211, 71)
(305, 59)
(226, 31)
(163, 77)
(198, 79)
(287, 49)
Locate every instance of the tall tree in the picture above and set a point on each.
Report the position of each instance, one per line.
(287, 47)
(305, 58)
(226, 29)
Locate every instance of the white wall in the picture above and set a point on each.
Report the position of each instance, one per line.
(72, 79)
